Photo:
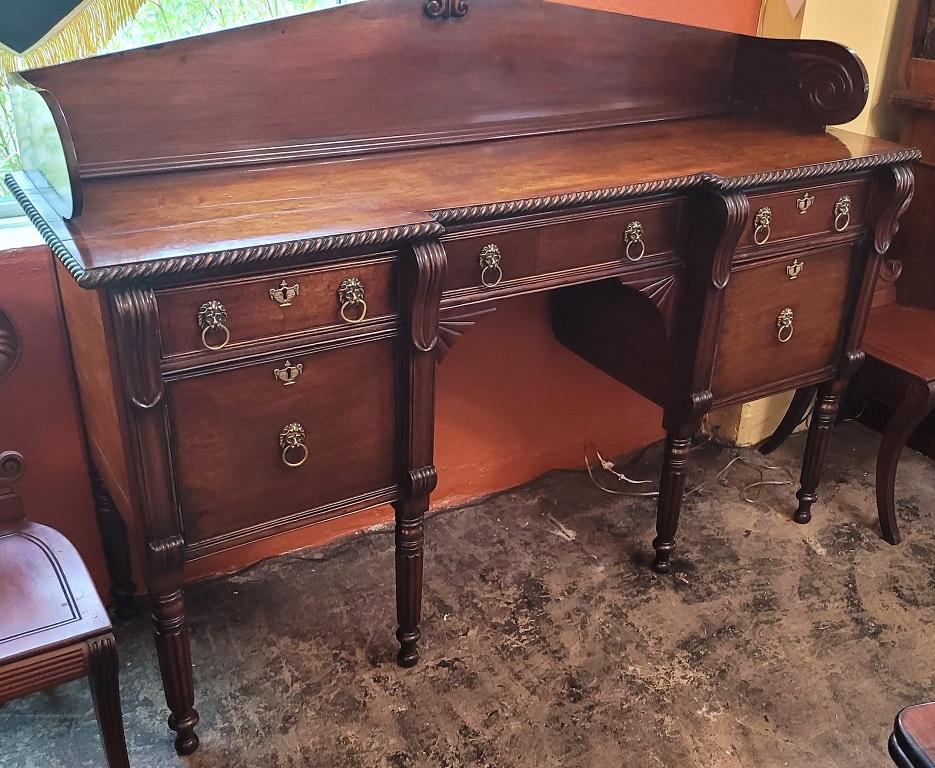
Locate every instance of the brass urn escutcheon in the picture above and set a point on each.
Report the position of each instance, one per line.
(805, 202)
(288, 373)
(284, 294)
(795, 269)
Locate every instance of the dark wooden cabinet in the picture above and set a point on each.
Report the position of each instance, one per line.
(275, 270)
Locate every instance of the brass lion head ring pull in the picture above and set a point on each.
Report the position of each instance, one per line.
(761, 226)
(842, 213)
(292, 442)
(633, 237)
(212, 317)
(785, 325)
(491, 273)
(353, 304)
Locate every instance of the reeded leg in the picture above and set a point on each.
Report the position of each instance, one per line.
(175, 663)
(116, 547)
(410, 538)
(105, 692)
(917, 404)
(671, 488)
(794, 415)
(816, 446)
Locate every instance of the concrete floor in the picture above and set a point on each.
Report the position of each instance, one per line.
(771, 644)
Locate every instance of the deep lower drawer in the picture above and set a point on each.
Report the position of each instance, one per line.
(522, 251)
(227, 313)
(255, 454)
(780, 323)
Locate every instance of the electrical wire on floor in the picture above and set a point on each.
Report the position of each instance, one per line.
(745, 492)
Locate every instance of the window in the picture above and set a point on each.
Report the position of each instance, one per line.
(156, 22)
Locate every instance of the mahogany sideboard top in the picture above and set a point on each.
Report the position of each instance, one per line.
(289, 224)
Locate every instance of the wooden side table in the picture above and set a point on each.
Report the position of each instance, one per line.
(54, 627)
(912, 744)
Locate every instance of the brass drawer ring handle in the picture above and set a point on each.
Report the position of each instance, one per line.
(490, 258)
(634, 236)
(351, 294)
(292, 441)
(212, 317)
(785, 325)
(842, 213)
(761, 224)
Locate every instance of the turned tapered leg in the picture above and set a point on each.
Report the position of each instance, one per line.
(816, 446)
(917, 404)
(794, 416)
(175, 663)
(116, 548)
(410, 539)
(105, 692)
(671, 488)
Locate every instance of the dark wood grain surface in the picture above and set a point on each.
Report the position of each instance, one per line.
(194, 213)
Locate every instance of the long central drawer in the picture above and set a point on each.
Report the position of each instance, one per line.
(263, 447)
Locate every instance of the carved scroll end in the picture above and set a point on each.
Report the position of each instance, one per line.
(167, 555)
(808, 82)
(891, 270)
(899, 189)
(137, 319)
(735, 211)
(421, 482)
(431, 264)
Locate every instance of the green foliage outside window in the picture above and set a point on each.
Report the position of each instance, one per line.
(159, 21)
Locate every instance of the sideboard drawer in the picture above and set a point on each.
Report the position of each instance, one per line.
(233, 437)
(776, 326)
(805, 212)
(522, 251)
(281, 304)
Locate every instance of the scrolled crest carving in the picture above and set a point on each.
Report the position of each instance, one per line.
(444, 9)
(10, 345)
(138, 343)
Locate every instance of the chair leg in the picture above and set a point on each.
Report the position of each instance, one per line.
(105, 692)
(918, 403)
(794, 416)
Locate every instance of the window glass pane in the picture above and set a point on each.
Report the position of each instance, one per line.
(156, 22)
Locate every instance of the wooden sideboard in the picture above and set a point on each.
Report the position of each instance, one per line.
(266, 251)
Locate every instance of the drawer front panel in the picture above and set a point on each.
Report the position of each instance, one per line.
(528, 250)
(764, 305)
(231, 470)
(279, 304)
(827, 209)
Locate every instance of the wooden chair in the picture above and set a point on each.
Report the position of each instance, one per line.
(53, 627)
(912, 744)
(900, 357)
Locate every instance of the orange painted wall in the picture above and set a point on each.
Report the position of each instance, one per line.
(512, 403)
(731, 15)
